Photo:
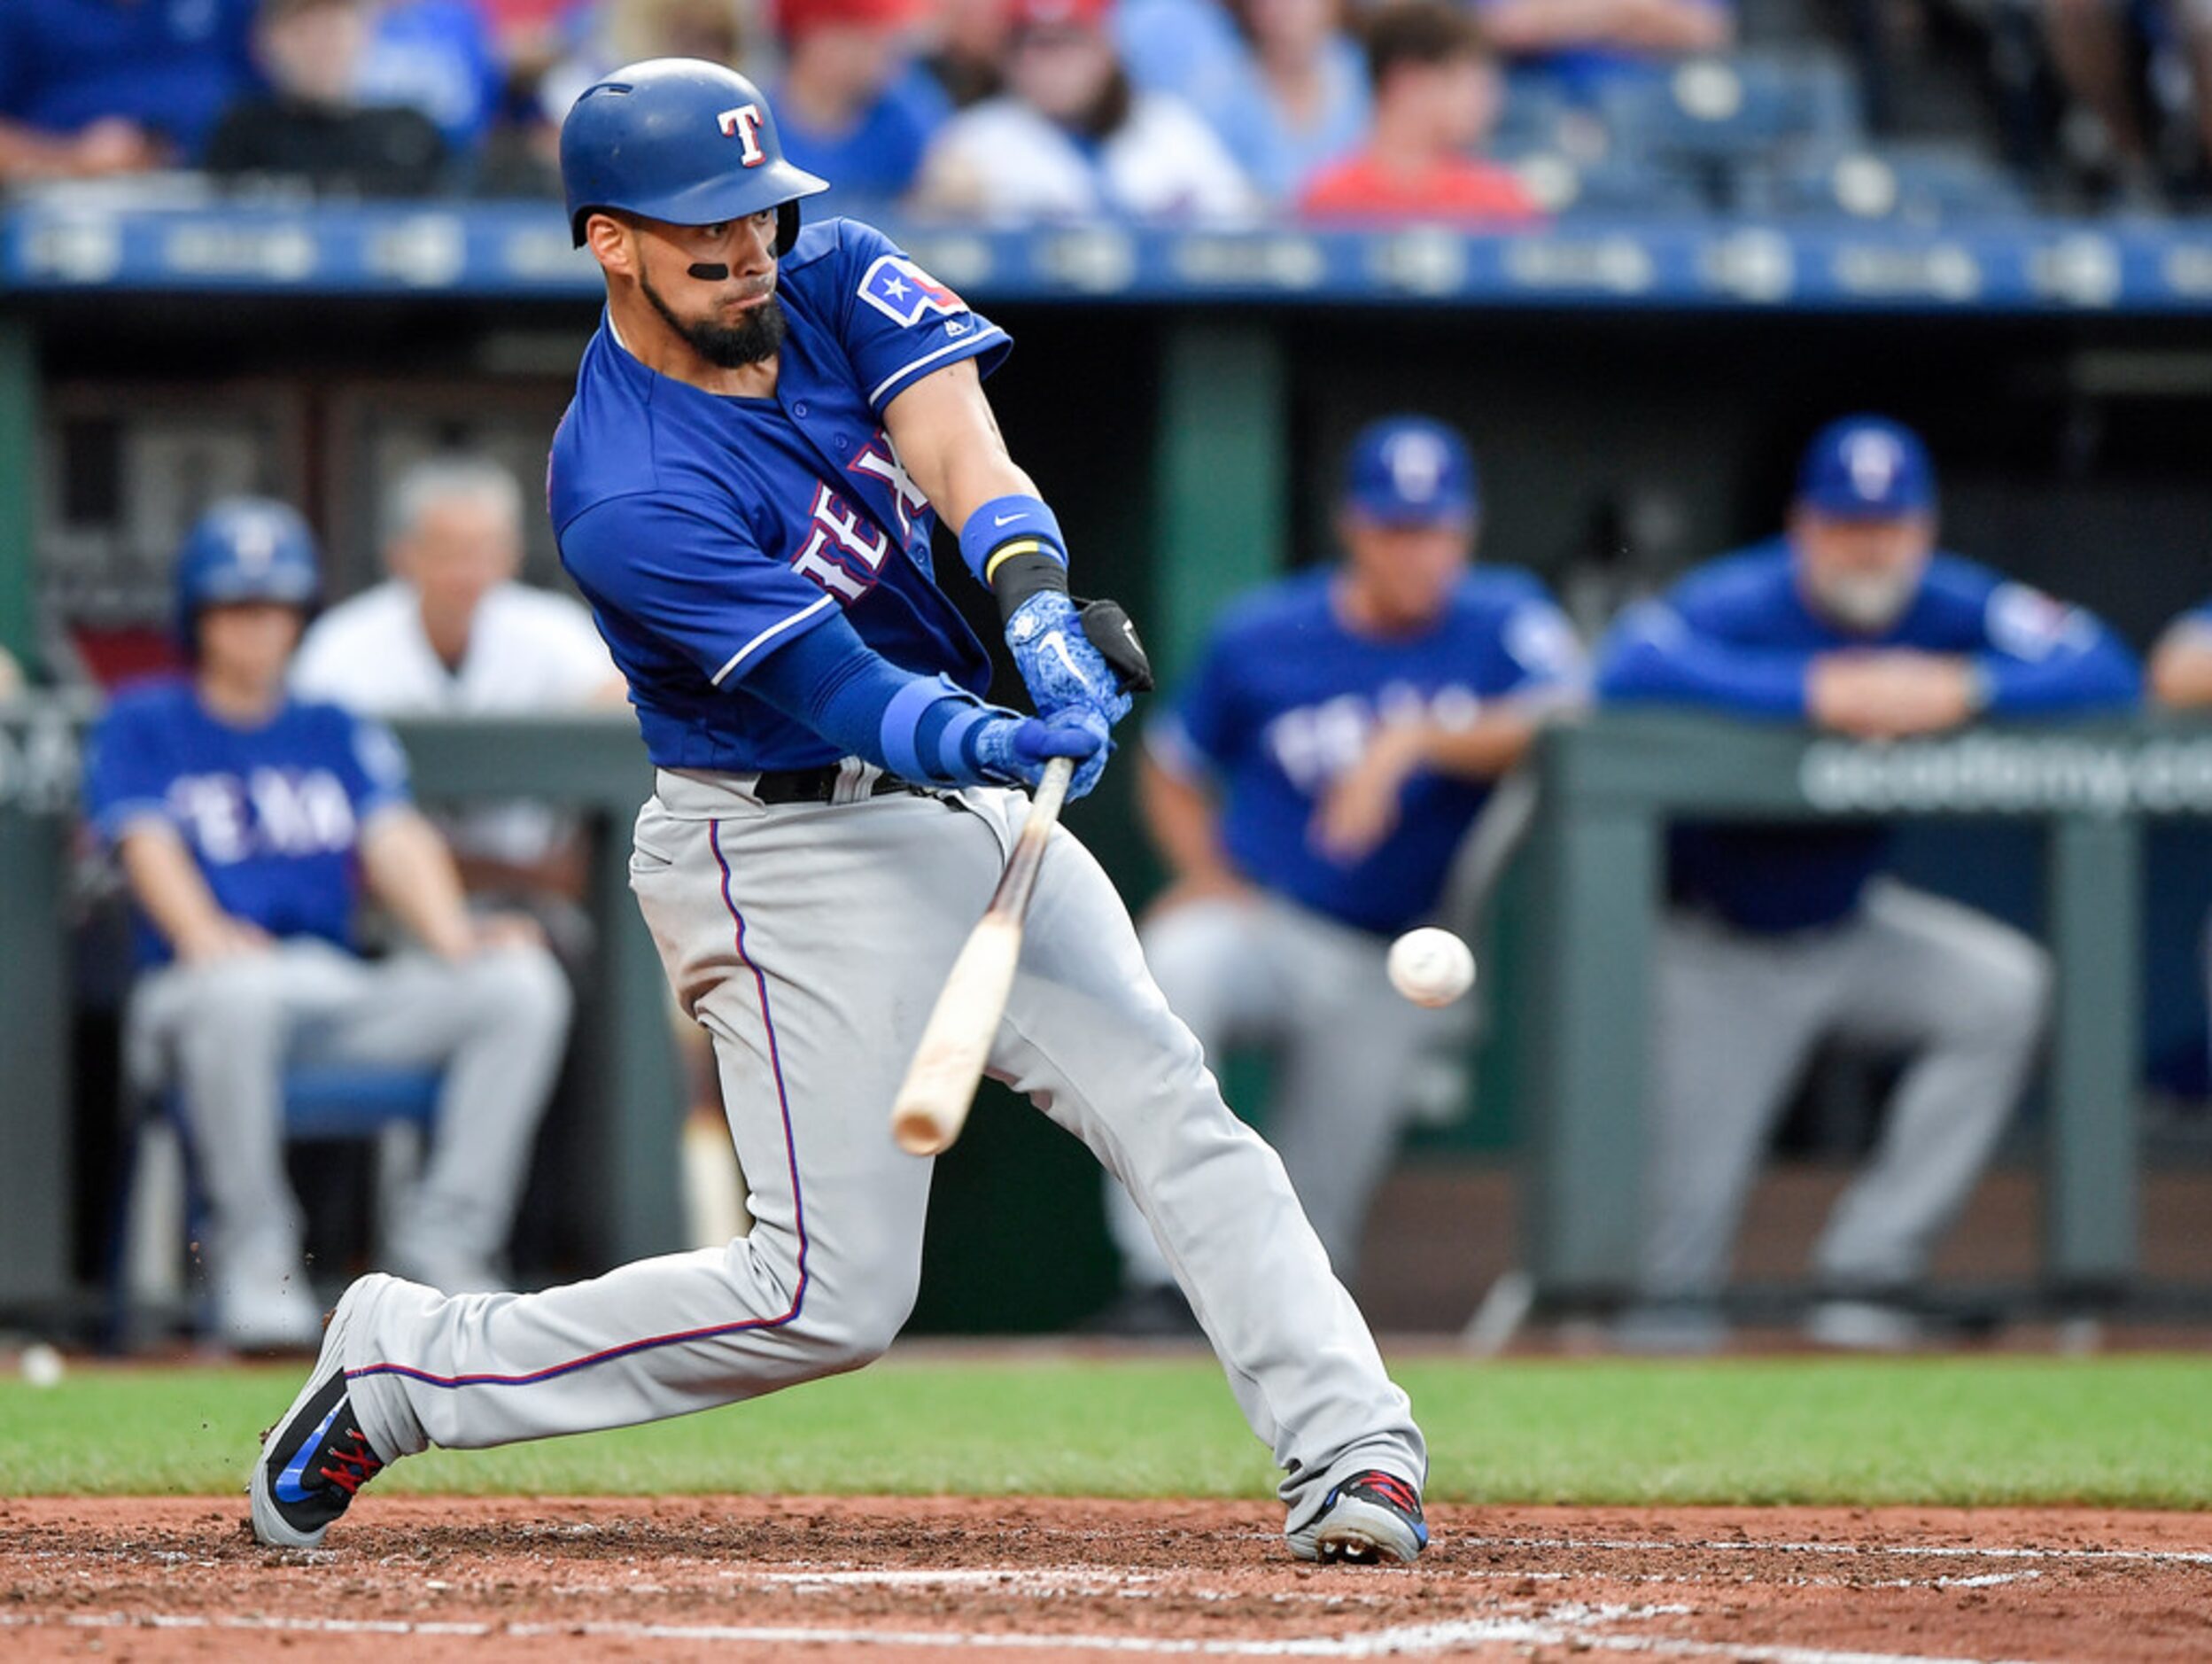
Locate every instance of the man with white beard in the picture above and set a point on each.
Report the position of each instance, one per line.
(1779, 937)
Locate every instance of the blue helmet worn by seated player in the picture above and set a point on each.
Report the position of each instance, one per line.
(1409, 470)
(1867, 468)
(245, 549)
(682, 141)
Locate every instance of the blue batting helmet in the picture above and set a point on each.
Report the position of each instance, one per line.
(245, 549)
(682, 140)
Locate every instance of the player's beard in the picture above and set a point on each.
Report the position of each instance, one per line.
(756, 337)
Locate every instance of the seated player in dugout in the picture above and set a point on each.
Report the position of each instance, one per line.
(2181, 677)
(767, 424)
(1308, 790)
(1778, 937)
(246, 821)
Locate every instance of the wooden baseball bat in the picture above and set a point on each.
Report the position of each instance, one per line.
(933, 1100)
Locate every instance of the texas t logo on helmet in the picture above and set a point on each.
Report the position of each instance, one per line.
(743, 125)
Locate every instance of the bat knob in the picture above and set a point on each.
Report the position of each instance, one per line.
(918, 1132)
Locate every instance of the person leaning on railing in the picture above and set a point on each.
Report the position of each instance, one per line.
(1777, 938)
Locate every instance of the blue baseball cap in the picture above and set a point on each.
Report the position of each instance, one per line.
(1408, 470)
(1867, 468)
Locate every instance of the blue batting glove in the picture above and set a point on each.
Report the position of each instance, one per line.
(1013, 750)
(1059, 665)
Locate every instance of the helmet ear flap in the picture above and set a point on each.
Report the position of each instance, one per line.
(786, 227)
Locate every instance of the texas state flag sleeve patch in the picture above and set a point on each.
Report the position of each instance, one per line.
(904, 293)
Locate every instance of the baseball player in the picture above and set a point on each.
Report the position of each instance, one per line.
(1853, 622)
(1308, 792)
(246, 822)
(765, 428)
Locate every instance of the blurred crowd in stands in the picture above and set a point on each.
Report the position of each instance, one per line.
(1489, 112)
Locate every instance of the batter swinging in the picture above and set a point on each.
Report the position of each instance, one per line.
(765, 428)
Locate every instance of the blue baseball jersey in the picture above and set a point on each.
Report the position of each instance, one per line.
(171, 65)
(1285, 701)
(272, 814)
(705, 531)
(1737, 636)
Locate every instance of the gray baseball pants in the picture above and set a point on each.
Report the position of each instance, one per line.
(810, 940)
(1264, 971)
(225, 1032)
(1736, 1014)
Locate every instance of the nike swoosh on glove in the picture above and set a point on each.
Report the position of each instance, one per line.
(1013, 750)
(1059, 665)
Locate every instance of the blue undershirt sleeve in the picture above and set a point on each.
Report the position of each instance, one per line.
(2045, 659)
(1654, 656)
(828, 679)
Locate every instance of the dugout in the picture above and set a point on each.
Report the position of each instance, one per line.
(1636, 395)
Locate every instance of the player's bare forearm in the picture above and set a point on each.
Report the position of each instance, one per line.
(169, 889)
(411, 870)
(1494, 741)
(1185, 827)
(1535, 25)
(2181, 668)
(949, 442)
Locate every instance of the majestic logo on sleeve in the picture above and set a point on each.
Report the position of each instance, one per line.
(903, 292)
(743, 125)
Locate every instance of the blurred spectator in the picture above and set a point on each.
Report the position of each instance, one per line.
(2106, 52)
(852, 105)
(1299, 101)
(2181, 679)
(1071, 139)
(1436, 99)
(11, 674)
(1309, 793)
(452, 632)
(308, 125)
(1189, 48)
(92, 87)
(613, 32)
(1780, 937)
(434, 56)
(968, 50)
(2181, 663)
(246, 822)
(1578, 45)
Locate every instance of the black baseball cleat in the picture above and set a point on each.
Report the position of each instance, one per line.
(1371, 1517)
(315, 1460)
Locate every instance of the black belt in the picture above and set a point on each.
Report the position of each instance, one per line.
(816, 785)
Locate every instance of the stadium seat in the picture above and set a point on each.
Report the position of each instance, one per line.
(159, 1211)
(1926, 186)
(1716, 110)
(1616, 188)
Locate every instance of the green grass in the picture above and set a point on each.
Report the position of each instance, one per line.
(2127, 1432)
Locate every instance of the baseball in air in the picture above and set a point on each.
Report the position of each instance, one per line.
(1431, 967)
(42, 1365)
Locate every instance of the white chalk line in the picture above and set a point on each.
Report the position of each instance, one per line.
(1449, 1635)
(1055, 1582)
(1872, 1551)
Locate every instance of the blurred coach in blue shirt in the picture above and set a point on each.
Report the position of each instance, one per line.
(1853, 622)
